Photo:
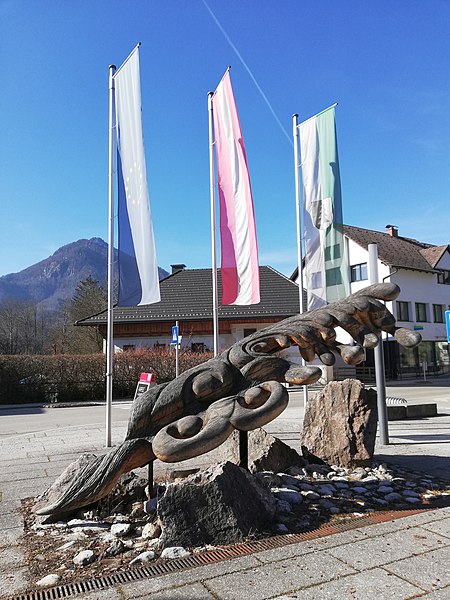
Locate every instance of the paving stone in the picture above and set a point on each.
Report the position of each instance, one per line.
(387, 548)
(13, 582)
(278, 578)
(442, 527)
(174, 580)
(429, 571)
(303, 548)
(10, 557)
(376, 583)
(10, 521)
(442, 594)
(195, 591)
(10, 537)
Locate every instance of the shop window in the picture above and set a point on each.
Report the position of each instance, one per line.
(402, 311)
(421, 312)
(358, 272)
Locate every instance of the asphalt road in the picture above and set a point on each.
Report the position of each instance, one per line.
(32, 419)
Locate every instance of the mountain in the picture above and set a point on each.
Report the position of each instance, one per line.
(56, 277)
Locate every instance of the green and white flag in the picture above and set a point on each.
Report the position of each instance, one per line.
(326, 270)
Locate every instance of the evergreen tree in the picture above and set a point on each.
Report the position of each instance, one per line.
(89, 299)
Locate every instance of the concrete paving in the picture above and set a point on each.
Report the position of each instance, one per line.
(403, 558)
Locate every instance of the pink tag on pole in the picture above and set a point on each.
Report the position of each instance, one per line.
(148, 377)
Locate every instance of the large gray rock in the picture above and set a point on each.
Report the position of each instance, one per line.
(340, 424)
(220, 505)
(265, 452)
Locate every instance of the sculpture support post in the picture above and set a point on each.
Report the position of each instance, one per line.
(150, 481)
(380, 377)
(243, 449)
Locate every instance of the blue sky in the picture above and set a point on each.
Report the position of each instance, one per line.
(386, 63)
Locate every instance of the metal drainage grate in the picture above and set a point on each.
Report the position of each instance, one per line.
(211, 556)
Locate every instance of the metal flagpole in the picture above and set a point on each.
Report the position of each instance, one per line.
(109, 336)
(299, 229)
(213, 227)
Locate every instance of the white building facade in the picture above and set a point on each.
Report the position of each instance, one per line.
(422, 272)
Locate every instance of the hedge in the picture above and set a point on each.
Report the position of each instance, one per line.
(72, 378)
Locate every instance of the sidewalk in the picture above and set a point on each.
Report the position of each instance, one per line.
(397, 559)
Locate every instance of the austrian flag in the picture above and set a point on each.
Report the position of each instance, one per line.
(239, 263)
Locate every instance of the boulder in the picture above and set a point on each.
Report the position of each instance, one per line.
(220, 505)
(265, 452)
(340, 424)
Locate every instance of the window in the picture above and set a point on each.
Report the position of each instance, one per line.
(333, 252)
(333, 276)
(316, 280)
(249, 331)
(421, 312)
(438, 313)
(402, 311)
(443, 277)
(358, 272)
(198, 347)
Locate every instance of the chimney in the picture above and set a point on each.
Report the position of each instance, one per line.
(392, 230)
(178, 267)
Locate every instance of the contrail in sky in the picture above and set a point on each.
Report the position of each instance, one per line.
(247, 68)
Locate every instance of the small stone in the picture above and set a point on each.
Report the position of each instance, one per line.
(154, 544)
(358, 489)
(379, 501)
(289, 480)
(369, 479)
(151, 530)
(411, 494)
(327, 504)
(341, 484)
(288, 495)
(326, 490)
(48, 580)
(175, 552)
(85, 557)
(281, 528)
(412, 500)
(67, 545)
(121, 529)
(385, 489)
(393, 497)
(305, 487)
(117, 547)
(283, 507)
(144, 557)
(310, 496)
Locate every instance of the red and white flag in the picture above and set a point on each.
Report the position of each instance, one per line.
(239, 264)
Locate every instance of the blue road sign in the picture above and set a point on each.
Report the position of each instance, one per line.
(174, 334)
(447, 322)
